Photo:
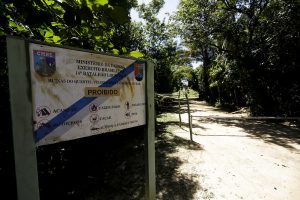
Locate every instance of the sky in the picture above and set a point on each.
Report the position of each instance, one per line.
(170, 6)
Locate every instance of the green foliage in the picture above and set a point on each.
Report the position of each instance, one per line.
(148, 12)
(136, 54)
(249, 52)
(183, 72)
(155, 41)
(92, 24)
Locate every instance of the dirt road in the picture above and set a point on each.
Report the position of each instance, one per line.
(229, 159)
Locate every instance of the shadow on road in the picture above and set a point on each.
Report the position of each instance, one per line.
(176, 123)
(172, 109)
(274, 132)
(170, 183)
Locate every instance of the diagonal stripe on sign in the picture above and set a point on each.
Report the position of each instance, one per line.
(62, 117)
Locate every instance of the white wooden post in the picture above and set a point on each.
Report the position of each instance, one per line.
(21, 112)
(150, 134)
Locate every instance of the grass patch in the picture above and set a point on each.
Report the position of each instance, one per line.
(191, 94)
(165, 117)
(168, 118)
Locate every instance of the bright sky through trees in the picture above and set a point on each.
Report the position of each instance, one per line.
(170, 6)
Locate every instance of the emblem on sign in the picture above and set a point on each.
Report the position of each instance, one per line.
(94, 118)
(93, 107)
(44, 62)
(43, 112)
(139, 71)
(42, 123)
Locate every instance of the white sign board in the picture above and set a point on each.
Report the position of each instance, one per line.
(184, 82)
(77, 94)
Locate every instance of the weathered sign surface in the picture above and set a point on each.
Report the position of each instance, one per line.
(77, 94)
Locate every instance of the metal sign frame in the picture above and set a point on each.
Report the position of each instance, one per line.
(22, 125)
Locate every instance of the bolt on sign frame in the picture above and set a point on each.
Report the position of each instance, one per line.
(61, 93)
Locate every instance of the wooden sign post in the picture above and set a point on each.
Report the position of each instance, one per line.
(150, 135)
(185, 84)
(21, 112)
